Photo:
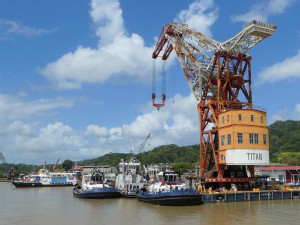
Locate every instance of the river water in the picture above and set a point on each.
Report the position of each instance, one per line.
(56, 205)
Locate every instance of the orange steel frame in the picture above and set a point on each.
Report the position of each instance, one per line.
(230, 78)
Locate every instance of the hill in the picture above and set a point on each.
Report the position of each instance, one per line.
(285, 142)
(162, 154)
(284, 148)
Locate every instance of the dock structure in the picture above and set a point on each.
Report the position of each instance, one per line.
(250, 196)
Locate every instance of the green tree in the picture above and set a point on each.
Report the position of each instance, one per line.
(67, 164)
(182, 167)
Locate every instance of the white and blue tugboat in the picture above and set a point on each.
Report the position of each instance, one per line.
(169, 192)
(95, 186)
(44, 178)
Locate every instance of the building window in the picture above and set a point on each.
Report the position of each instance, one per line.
(256, 138)
(222, 119)
(262, 119)
(229, 139)
(251, 138)
(223, 140)
(252, 118)
(222, 157)
(240, 117)
(240, 138)
(227, 118)
(265, 139)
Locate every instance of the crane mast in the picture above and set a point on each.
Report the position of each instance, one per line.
(219, 76)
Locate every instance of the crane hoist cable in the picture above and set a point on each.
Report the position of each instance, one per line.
(163, 85)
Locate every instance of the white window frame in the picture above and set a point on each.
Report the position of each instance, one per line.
(240, 138)
(223, 140)
(229, 139)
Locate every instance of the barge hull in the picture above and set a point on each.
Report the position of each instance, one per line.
(97, 195)
(178, 200)
(31, 184)
(250, 196)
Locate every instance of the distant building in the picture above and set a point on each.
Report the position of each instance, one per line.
(284, 174)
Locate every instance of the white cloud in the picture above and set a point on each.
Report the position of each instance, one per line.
(263, 10)
(17, 28)
(118, 53)
(107, 17)
(23, 142)
(94, 130)
(296, 112)
(274, 118)
(288, 68)
(18, 127)
(12, 108)
(176, 123)
(125, 56)
(200, 16)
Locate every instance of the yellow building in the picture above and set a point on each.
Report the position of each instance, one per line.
(243, 137)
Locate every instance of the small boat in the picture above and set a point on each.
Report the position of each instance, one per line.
(95, 186)
(44, 178)
(128, 194)
(169, 192)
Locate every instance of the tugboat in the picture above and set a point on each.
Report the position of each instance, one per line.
(169, 192)
(44, 178)
(130, 178)
(95, 186)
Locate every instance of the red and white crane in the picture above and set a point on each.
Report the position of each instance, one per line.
(218, 74)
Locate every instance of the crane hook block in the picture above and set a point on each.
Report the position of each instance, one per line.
(163, 97)
(153, 97)
(158, 105)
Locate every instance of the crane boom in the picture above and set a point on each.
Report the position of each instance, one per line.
(54, 166)
(196, 51)
(143, 144)
(2, 158)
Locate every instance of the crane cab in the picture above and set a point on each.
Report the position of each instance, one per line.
(243, 137)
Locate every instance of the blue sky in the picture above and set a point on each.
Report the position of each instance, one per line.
(75, 76)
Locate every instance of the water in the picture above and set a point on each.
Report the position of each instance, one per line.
(56, 205)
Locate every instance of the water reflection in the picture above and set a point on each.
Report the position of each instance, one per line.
(49, 206)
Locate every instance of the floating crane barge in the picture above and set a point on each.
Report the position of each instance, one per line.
(250, 196)
(233, 133)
